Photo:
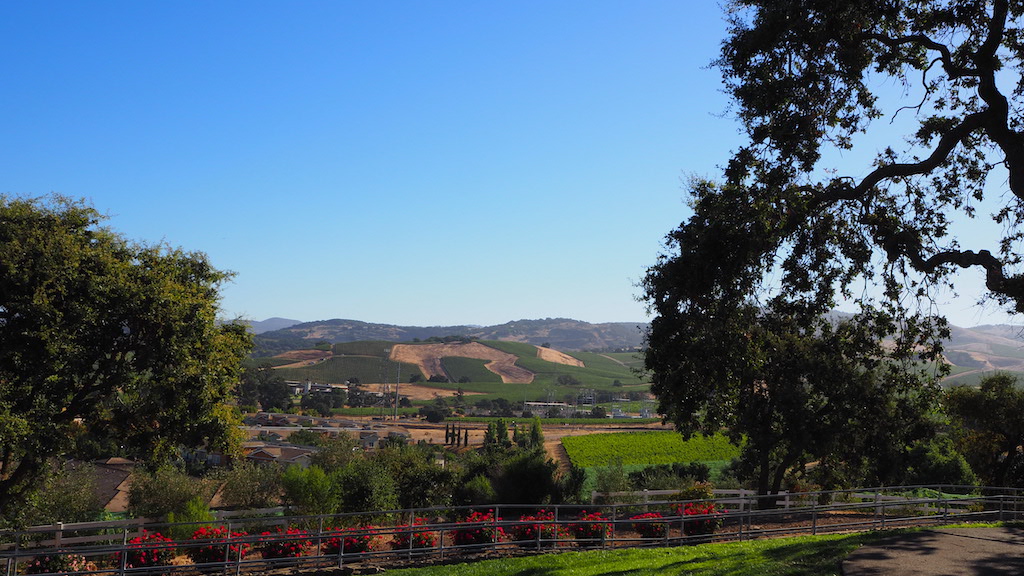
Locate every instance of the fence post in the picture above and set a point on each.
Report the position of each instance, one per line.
(124, 552)
(814, 517)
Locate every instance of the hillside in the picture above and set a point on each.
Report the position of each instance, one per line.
(510, 370)
(972, 351)
(984, 349)
(559, 333)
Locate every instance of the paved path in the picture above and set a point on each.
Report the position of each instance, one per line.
(942, 552)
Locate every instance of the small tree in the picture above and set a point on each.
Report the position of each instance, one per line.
(165, 490)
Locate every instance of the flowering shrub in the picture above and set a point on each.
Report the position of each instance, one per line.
(710, 522)
(284, 543)
(526, 534)
(356, 540)
(149, 549)
(219, 540)
(59, 564)
(483, 530)
(647, 527)
(591, 526)
(406, 537)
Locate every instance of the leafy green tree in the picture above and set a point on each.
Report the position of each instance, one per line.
(419, 481)
(336, 452)
(366, 486)
(536, 433)
(568, 380)
(989, 428)
(195, 514)
(67, 495)
(305, 437)
(309, 491)
(157, 493)
(249, 486)
(318, 403)
(262, 386)
(106, 338)
(808, 78)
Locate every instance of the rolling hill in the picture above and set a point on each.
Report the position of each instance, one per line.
(559, 333)
(973, 352)
(512, 370)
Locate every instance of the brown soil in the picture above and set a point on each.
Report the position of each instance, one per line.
(428, 358)
(421, 392)
(557, 357)
(303, 357)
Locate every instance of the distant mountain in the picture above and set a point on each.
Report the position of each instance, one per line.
(271, 324)
(974, 352)
(559, 333)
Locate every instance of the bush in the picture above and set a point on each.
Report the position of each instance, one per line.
(648, 527)
(288, 543)
(527, 534)
(711, 518)
(483, 530)
(149, 549)
(165, 490)
(219, 541)
(60, 564)
(194, 513)
(591, 527)
(408, 537)
(356, 540)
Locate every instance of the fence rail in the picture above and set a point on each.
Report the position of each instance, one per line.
(262, 539)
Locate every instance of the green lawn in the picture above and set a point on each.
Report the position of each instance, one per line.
(799, 556)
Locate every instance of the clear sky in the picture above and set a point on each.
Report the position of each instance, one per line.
(404, 162)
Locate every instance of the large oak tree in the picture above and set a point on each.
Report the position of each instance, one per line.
(107, 339)
(823, 202)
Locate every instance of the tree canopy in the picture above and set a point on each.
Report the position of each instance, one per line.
(106, 339)
(813, 80)
(808, 213)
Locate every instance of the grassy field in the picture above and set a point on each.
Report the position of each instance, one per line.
(472, 368)
(798, 556)
(341, 368)
(646, 448)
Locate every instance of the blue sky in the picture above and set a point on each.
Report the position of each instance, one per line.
(415, 163)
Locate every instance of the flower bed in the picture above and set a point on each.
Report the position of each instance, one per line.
(288, 543)
(480, 529)
(543, 527)
(222, 545)
(355, 540)
(591, 529)
(709, 522)
(648, 525)
(407, 537)
(60, 564)
(149, 549)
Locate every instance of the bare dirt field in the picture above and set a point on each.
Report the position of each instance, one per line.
(303, 357)
(428, 358)
(418, 392)
(557, 357)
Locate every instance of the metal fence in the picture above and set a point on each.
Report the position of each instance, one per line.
(262, 539)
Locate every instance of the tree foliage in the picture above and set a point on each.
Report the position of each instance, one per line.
(104, 338)
(810, 78)
(743, 338)
(989, 429)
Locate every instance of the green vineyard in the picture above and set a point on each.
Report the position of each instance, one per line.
(646, 448)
